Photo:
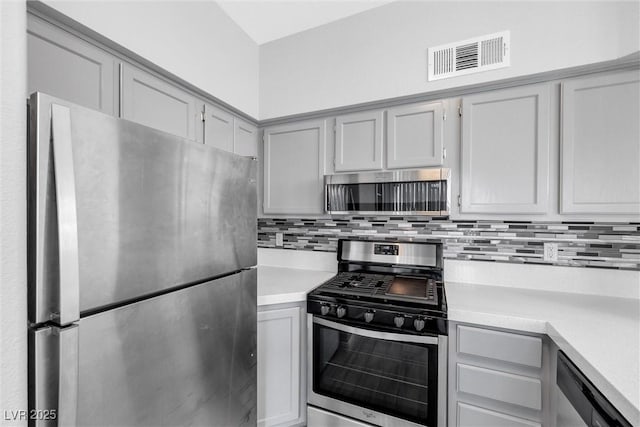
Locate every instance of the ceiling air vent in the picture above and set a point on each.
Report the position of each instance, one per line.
(469, 56)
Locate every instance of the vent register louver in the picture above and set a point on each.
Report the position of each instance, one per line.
(412, 192)
(469, 56)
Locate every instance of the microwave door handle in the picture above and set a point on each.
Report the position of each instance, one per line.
(389, 336)
(414, 194)
(334, 199)
(68, 306)
(394, 195)
(353, 200)
(326, 199)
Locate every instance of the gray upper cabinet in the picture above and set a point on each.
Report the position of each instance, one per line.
(153, 102)
(294, 168)
(227, 132)
(218, 128)
(245, 138)
(505, 151)
(359, 142)
(415, 136)
(601, 145)
(67, 67)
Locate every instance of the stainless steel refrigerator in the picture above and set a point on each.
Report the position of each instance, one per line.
(142, 299)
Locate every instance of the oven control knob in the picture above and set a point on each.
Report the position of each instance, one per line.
(418, 324)
(341, 311)
(368, 316)
(399, 321)
(324, 309)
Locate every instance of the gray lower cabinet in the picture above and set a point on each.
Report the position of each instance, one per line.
(358, 145)
(600, 171)
(474, 416)
(415, 135)
(505, 151)
(294, 168)
(497, 377)
(282, 365)
(65, 66)
(154, 102)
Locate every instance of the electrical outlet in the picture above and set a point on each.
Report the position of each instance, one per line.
(279, 239)
(550, 251)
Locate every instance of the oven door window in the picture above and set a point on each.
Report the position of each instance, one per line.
(393, 377)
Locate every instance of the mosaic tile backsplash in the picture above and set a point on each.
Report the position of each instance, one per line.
(580, 244)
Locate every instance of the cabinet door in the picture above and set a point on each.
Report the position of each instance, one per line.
(601, 145)
(415, 135)
(245, 139)
(359, 142)
(505, 151)
(67, 67)
(153, 102)
(293, 168)
(279, 350)
(218, 128)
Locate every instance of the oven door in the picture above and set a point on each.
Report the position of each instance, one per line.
(382, 378)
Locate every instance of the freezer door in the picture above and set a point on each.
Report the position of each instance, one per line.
(184, 358)
(119, 211)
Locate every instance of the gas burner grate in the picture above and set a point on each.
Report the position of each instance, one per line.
(358, 283)
(377, 286)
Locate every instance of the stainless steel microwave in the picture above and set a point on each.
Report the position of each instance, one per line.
(407, 192)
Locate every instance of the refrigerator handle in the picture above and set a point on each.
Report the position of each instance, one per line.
(54, 375)
(68, 309)
(68, 351)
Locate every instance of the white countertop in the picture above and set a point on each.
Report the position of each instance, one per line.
(600, 334)
(279, 285)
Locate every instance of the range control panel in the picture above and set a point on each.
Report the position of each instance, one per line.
(384, 249)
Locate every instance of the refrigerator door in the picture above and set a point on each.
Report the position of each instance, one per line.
(119, 211)
(183, 358)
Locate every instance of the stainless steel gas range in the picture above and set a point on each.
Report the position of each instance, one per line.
(377, 337)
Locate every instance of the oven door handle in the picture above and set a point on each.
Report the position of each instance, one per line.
(420, 339)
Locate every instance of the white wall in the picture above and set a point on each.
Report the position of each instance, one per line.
(13, 216)
(382, 53)
(194, 40)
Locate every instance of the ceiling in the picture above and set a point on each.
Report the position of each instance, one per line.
(269, 20)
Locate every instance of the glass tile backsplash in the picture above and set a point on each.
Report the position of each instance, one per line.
(580, 244)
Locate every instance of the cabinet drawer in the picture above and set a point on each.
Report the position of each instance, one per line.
(500, 386)
(514, 348)
(473, 416)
